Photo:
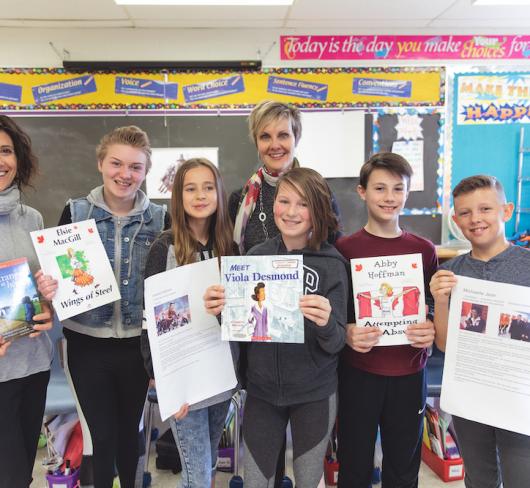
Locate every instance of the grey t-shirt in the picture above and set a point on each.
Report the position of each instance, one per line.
(511, 266)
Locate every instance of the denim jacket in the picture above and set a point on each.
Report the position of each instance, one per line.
(137, 234)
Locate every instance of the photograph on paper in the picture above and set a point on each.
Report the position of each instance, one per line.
(172, 314)
(515, 325)
(473, 317)
(166, 161)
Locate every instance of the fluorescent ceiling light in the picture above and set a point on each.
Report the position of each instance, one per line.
(220, 3)
(499, 3)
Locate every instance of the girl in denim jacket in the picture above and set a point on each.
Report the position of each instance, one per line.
(103, 357)
(201, 229)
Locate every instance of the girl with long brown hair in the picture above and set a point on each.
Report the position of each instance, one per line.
(296, 383)
(201, 229)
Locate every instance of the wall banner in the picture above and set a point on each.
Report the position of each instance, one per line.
(42, 89)
(493, 98)
(377, 48)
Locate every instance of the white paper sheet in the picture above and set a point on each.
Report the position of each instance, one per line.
(412, 151)
(487, 364)
(166, 161)
(190, 361)
(332, 143)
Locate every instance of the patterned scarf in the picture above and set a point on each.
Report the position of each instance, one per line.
(249, 198)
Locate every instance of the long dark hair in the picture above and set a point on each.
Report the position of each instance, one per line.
(220, 225)
(27, 162)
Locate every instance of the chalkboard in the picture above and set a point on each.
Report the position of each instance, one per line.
(66, 149)
(430, 125)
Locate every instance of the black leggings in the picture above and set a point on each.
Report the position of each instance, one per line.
(22, 403)
(110, 383)
(395, 404)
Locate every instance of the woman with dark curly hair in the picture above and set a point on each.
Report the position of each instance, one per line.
(24, 362)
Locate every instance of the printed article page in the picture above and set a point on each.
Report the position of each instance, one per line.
(487, 359)
(190, 361)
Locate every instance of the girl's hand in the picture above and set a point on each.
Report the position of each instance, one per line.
(421, 335)
(214, 299)
(362, 339)
(182, 412)
(3, 346)
(442, 282)
(316, 308)
(46, 285)
(45, 318)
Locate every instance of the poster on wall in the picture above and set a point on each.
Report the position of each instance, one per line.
(417, 135)
(493, 98)
(50, 89)
(378, 48)
(166, 161)
(343, 153)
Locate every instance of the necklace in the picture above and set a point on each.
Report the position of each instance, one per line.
(262, 216)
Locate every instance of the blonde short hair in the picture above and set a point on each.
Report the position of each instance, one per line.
(268, 111)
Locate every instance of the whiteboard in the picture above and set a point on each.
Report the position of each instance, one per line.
(332, 143)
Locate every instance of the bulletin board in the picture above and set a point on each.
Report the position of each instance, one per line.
(51, 90)
(486, 112)
(409, 126)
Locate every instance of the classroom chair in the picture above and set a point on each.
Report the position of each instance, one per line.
(434, 371)
(59, 398)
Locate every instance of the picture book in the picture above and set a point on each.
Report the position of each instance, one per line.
(19, 300)
(74, 255)
(388, 293)
(262, 296)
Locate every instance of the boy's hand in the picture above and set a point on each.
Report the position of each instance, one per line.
(421, 335)
(214, 300)
(315, 308)
(362, 339)
(442, 282)
(182, 412)
(45, 318)
(46, 285)
(3, 346)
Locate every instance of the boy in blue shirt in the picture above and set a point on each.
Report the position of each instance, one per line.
(493, 457)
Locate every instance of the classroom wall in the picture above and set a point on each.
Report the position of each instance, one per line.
(493, 149)
(30, 47)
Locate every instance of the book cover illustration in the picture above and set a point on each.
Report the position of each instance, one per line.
(262, 298)
(388, 293)
(19, 300)
(74, 255)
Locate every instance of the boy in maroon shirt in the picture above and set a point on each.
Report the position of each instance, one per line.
(384, 386)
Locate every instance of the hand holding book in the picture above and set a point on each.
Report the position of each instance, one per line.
(43, 321)
(214, 299)
(3, 346)
(362, 339)
(421, 335)
(46, 285)
(315, 308)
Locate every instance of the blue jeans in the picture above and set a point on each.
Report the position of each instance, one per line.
(197, 437)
